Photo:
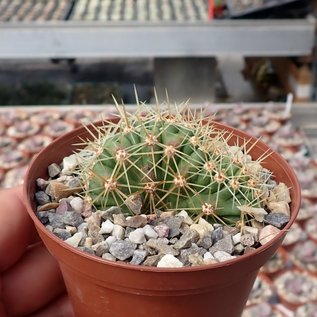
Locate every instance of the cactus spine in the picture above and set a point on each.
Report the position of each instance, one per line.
(171, 159)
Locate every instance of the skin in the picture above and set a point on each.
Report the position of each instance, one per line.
(31, 284)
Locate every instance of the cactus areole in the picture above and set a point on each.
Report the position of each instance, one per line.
(170, 159)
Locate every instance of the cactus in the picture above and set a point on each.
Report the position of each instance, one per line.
(171, 159)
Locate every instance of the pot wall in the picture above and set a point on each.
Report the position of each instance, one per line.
(102, 288)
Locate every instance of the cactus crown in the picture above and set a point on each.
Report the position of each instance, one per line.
(170, 159)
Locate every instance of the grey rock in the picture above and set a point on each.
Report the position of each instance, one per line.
(41, 183)
(122, 249)
(107, 214)
(62, 233)
(42, 198)
(83, 228)
(128, 230)
(73, 182)
(149, 232)
(276, 219)
(205, 242)
(247, 240)
(161, 247)
(162, 230)
(152, 260)
(223, 256)
(137, 221)
(185, 253)
(63, 207)
(109, 257)
(100, 248)
(225, 244)
(173, 241)
(138, 257)
(186, 240)
(43, 216)
(217, 234)
(87, 250)
(174, 224)
(72, 218)
(238, 249)
(56, 220)
(53, 170)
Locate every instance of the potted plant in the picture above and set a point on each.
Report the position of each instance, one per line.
(157, 164)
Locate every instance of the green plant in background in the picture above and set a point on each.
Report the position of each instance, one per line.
(170, 159)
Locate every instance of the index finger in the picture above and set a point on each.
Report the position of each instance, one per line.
(16, 228)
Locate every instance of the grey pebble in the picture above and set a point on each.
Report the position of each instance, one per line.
(43, 216)
(53, 170)
(185, 253)
(109, 257)
(247, 240)
(276, 219)
(152, 260)
(108, 214)
(205, 242)
(161, 247)
(138, 257)
(72, 218)
(56, 220)
(225, 244)
(62, 233)
(174, 224)
(217, 234)
(41, 183)
(186, 240)
(122, 249)
(87, 250)
(100, 248)
(42, 198)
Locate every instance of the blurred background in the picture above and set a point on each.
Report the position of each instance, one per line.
(252, 63)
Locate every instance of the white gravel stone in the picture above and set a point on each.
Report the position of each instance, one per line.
(77, 204)
(110, 240)
(118, 232)
(208, 256)
(236, 238)
(169, 260)
(149, 232)
(222, 256)
(106, 227)
(75, 239)
(137, 236)
(69, 164)
(109, 257)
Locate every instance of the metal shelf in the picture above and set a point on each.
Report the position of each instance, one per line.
(67, 39)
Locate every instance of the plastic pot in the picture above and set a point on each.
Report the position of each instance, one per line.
(102, 288)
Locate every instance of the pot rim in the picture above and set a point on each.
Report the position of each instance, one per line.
(239, 259)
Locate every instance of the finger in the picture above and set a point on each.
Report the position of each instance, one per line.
(60, 307)
(17, 230)
(32, 283)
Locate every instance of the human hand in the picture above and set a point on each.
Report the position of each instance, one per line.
(30, 281)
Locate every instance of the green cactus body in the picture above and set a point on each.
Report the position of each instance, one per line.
(169, 161)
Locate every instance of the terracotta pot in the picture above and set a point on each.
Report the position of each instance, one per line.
(102, 288)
